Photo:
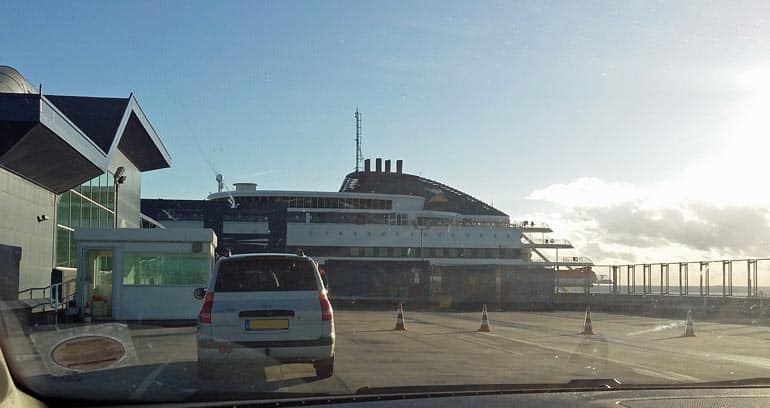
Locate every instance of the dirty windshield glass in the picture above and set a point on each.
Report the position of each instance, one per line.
(249, 199)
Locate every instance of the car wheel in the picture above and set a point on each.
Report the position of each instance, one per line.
(324, 368)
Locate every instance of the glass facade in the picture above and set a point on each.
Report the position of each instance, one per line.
(140, 268)
(89, 205)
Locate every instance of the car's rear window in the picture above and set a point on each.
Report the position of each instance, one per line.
(265, 274)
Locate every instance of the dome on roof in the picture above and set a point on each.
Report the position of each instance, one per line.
(11, 81)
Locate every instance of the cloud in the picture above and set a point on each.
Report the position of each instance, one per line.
(620, 222)
(587, 192)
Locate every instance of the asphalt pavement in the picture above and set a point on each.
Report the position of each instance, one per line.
(437, 349)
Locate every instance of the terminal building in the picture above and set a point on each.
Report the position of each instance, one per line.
(66, 163)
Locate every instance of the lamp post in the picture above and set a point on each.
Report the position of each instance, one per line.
(119, 178)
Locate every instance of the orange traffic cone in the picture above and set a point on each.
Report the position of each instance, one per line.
(689, 330)
(587, 327)
(400, 318)
(484, 321)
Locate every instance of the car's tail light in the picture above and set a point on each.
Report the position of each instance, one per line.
(326, 307)
(205, 314)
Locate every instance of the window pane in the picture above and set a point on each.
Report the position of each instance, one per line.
(101, 195)
(75, 204)
(165, 269)
(267, 274)
(73, 256)
(105, 221)
(63, 212)
(109, 199)
(85, 214)
(62, 247)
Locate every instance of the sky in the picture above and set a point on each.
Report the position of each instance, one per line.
(638, 130)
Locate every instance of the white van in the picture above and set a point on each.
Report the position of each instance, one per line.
(264, 309)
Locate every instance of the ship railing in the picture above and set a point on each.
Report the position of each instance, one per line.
(567, 260)
(549, 241)
(529, 224)
(576, 259)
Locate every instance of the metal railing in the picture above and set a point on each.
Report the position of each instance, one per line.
(530, 224)
(56, 296)
(549, 241)
(576, 259)
(705, 278)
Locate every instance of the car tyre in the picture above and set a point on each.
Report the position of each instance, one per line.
(324, 368)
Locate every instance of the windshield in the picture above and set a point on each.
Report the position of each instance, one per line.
(266, 199)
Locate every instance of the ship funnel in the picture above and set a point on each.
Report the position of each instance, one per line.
(378, 165)
(399, 166)
(245, 187)
(368, 165)
(387, 166)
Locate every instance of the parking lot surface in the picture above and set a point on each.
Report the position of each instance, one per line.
(439, 349)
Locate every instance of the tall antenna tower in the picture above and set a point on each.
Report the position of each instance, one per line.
(359, 155)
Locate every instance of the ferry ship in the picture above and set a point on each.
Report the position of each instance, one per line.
(386, 236)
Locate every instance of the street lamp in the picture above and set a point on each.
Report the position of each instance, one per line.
(119, 178)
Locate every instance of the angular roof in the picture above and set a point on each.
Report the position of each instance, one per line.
(59, 142)
(98, 118)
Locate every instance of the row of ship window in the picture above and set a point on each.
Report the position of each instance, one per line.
(324, 202)
(389, 219)
(424, 234)
(413, 252)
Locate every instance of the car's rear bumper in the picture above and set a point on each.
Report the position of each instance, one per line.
(266, 352)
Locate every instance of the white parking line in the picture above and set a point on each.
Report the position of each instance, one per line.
(666, 375)
(139, 392)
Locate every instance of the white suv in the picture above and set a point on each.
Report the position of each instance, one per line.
(264, 309)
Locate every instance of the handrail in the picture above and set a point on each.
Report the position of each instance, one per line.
(55, 292)
(547, 241)
(30, 290)
(529, 224)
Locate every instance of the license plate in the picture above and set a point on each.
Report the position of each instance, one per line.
(266, 324)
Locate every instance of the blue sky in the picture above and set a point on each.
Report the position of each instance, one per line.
(533, 106)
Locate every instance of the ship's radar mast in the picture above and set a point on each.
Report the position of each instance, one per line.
(359, 155)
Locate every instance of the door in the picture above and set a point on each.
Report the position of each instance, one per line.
(100, 272)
